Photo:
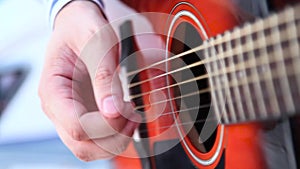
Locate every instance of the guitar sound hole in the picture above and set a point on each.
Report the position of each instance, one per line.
(192, 108)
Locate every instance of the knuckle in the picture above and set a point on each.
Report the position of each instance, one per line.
(103, 76)
(94, 32)
(76, 134)
(61, 64)
(83, 155)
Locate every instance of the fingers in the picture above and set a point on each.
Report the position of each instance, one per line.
(71, 103)
(56, 90)
(64, 114)
(118, 143)
(100, 56)
(98, 126)
(106, 147)
(84, 150)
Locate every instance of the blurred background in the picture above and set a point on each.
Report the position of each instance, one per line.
(27, 138)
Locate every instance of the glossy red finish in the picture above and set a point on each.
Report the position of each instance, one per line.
(243, 148)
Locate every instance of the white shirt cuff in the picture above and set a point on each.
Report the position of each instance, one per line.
(55, 6)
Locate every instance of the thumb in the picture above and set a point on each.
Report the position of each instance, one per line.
(100, 56)
(108, 90)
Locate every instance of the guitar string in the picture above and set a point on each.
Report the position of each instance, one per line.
(200, 107)
(181, 124)
(187, 122)
(178, 97)
(226, 54)
(170, 113)
(198, 93)
(220, 41)
(238, 68)
(172, 125)
(204, 91)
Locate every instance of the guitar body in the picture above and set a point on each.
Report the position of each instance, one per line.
(241, 145)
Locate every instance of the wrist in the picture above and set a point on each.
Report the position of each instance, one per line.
(79, 11)
(56, 6)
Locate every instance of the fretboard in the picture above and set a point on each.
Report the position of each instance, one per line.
(254, 70)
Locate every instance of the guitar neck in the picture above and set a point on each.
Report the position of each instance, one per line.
(255, 69)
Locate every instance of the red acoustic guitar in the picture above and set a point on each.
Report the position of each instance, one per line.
(226, 94)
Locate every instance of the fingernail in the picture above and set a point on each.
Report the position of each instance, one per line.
(111, 106)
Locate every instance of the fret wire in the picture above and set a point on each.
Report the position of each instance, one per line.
(193, 108)
(217, 42)
(256, 43)
(234, 79)
(197, 121)
(227, 52)
(213, 95)
(246, 89)
(218, 57)
(189, 122)
(242, 82)
(281, 70)
(290, 72)
(259, 39)
(250, 63)
(294, 43)
(231, 69)
(227, 89)
(239, 68)
(257, 87)
(201, 47)
(296, 11)
(219, 93)
(221, 73)
(294, 46)
(270, 86)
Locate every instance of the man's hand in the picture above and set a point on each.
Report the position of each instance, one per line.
(78, 89)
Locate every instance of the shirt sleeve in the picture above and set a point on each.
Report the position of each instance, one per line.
(54, 6)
